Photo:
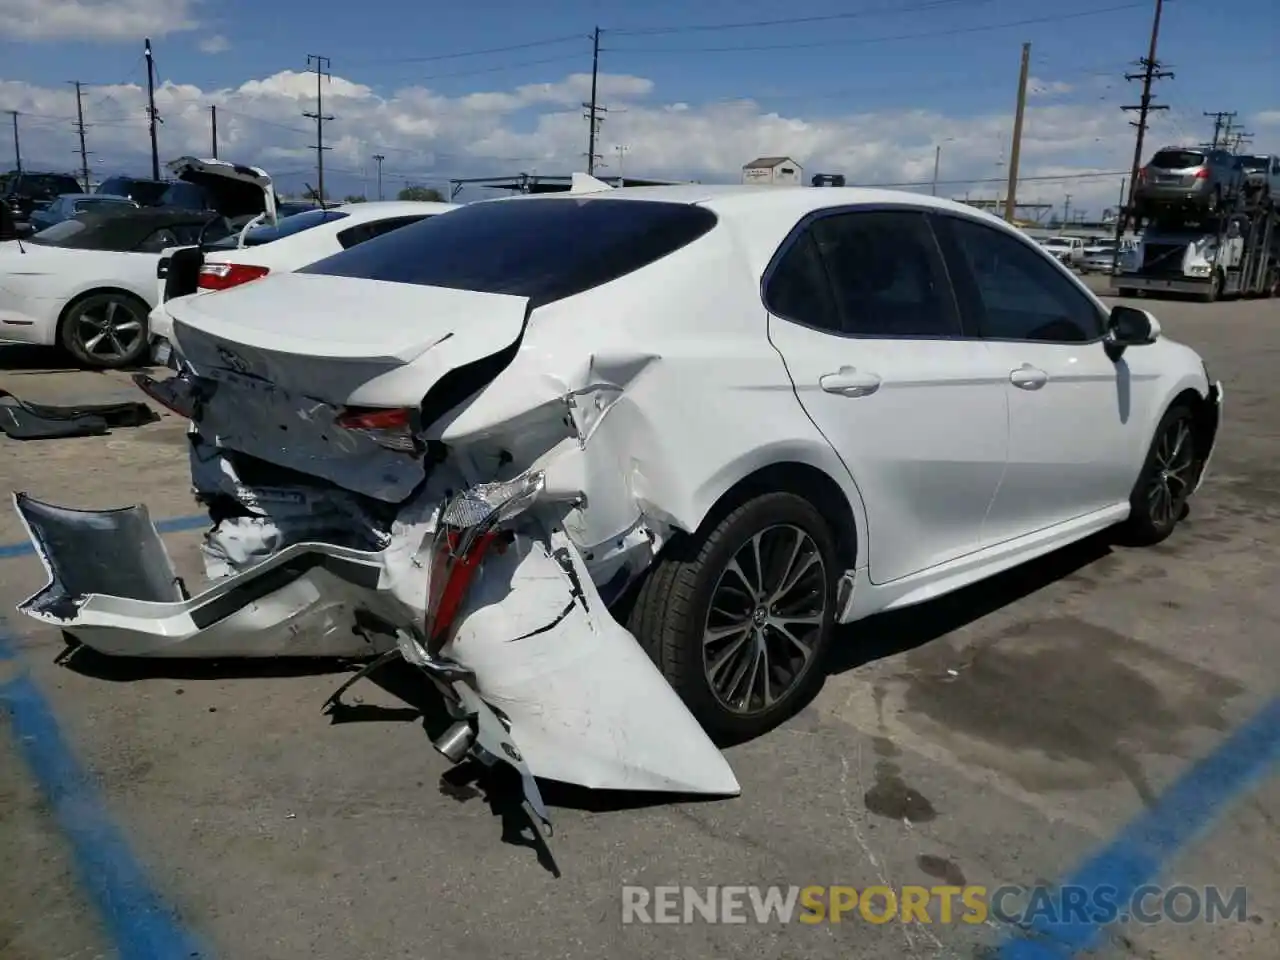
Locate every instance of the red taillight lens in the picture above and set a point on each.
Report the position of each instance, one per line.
(451, 573)
(391, 428)
(220, 276)
(1142, 174)
(1202, 173)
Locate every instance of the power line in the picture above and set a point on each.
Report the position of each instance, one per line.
(322, 66)
(532, 44)
(1046, 178)
(792, 21)
(865, 40)
(1240, 139)
(501, 69)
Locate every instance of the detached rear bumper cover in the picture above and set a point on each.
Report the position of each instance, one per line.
(581, 701)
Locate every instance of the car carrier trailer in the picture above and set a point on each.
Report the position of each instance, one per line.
(1229, 254)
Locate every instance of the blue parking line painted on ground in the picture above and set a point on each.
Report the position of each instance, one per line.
(172, 525)
(136, 918)
(1179, 817)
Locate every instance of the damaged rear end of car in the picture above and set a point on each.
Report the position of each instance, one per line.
(352, 516)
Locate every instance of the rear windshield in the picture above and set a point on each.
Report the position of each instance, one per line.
(59, 233)
(1255, 163)
(288, 226)
(1177, 159)
(145, 192)
(543, 249)
(186, 196)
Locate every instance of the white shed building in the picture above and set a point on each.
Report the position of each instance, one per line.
(773, 170)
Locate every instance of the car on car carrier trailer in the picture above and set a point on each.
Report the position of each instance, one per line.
(1231, 254)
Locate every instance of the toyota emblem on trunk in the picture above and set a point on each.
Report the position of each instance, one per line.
(233, 360)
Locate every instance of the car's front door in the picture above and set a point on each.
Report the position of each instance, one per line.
(1075, 416)
(864, 316)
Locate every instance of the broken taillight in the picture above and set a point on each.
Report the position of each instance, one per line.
(452, 568)
(221, 276)
(392, 429)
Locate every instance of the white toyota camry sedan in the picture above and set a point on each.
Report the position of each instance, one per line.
(610, 467)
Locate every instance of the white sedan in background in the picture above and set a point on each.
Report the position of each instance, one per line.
(292, 243)
(87, 284)
(612, 466)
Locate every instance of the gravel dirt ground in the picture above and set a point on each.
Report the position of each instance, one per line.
(999, 736)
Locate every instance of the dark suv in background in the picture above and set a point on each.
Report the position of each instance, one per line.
(28, 190)
(145, 193)
(1206, 180)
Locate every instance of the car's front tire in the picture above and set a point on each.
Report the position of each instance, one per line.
(106, 330)
(1169, 474)
(740, 616)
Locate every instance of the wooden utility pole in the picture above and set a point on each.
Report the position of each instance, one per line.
(17, 146)
(1015, 151)
(1150, 73)
(84, 153)
(322, 65)
(593, 108)
(1221, 118)
(378, 158)
(213, 129)
(151, 110)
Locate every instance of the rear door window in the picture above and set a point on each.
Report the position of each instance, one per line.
(543, 249)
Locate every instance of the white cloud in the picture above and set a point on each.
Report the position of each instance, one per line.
(216, 43)
(428, 137)
(1267, 118)
(95, 19)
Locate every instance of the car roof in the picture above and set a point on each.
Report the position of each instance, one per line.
(765, 214)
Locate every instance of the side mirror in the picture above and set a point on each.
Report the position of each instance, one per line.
(1129, 327)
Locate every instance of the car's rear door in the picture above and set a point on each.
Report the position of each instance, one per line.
(864, 316)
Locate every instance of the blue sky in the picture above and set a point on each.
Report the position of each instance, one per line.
(949, 64)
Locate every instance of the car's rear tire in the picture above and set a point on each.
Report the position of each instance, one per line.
(105, 330)
(1169, 474)
(743, 643)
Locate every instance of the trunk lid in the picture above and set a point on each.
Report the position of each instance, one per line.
(237, 190)
(367, 343)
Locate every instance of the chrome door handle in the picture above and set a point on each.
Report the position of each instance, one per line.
(1028, 377)
(849, 382)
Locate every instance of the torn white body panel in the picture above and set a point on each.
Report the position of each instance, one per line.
(527, 626)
